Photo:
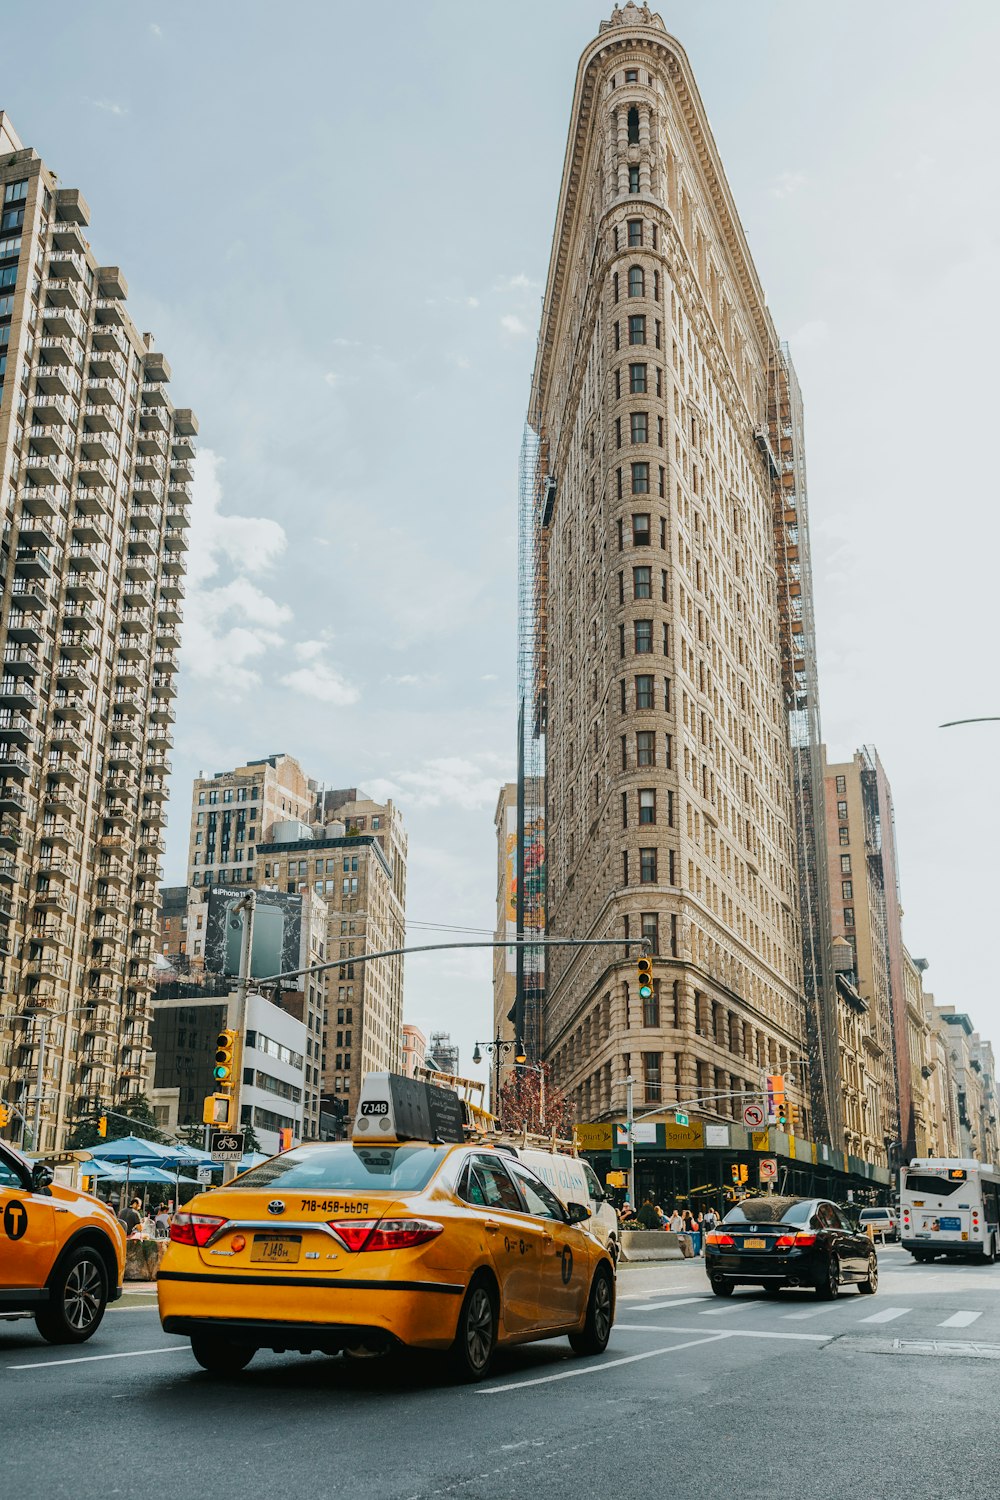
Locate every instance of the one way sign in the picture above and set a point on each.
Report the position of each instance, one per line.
(226, 1145)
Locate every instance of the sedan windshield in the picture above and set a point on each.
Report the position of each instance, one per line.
(770, 1211)
(397, 1169)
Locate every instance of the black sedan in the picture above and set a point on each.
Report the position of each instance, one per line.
(774, 1242)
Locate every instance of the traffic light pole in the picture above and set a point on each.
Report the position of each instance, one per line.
(247, 906)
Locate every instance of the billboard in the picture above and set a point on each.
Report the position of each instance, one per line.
(534, 881)
(277, 932)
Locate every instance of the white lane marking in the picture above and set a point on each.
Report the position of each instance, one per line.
(732, 1333)
(610, 1364)
(816, 1312)
(89, 1359)
(654, 1291)
(743, 1305)
(960, 1320)
(656, 1306)
(886, 1315)
(119, 1309)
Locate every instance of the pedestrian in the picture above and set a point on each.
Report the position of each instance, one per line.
(130, 1216)
(676, 1222)
(660, 1215)
(647, 1216)
(709, 1220)
(162, 1222)
(696, 1234)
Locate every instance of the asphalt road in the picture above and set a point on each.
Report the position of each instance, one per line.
(885, 1396)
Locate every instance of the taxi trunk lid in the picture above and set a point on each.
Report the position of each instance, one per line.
(269, 1233)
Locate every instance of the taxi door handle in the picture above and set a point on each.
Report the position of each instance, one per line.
(491, 1226)
(547, 1238)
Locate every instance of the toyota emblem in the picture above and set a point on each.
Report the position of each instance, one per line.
(276, 1206)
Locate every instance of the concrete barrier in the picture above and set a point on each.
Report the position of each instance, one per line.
(655, 1244)
(142, 1259)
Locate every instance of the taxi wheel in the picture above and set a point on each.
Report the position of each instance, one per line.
(78, 1295)
(476, 1339)
(869, 1286)
(594, 1335)
(219, 1357)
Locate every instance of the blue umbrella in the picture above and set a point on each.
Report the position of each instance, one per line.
(132, 1149)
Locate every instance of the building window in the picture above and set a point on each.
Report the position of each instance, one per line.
(632, 125)
(640, 479)
(842, 811)
(614, 283)
(640, 531)
(644, 692)
(634, 232)
(645, 747)
(647, 866)
(639, 426)
(847, 890)
(636, 282)
(637, 329)
(848, 916)
(633, 178)
(845, 864)
(647, 805)
(845, 835)
(651, 929)
(637, 380)
(651, 1076)
(651, 1006)
(631, 75)
(16, 192)
(841, 784)
(643, 637)
(642, 583)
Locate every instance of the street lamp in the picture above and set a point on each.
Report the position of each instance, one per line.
(498, 1047)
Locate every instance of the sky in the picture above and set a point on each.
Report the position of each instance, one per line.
(336, 219)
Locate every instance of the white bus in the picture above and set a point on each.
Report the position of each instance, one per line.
(950, 1207)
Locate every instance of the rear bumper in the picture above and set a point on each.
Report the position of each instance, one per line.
(797, 1268)
(283, 1337)
(968, 1249)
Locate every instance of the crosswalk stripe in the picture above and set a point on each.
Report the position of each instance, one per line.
(816, 1312)
(640, 1307)
(960, 1320)
(887, 1315)
(743, 1305)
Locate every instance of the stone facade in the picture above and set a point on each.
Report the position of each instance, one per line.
(95, 476)
(234, 810)
(668, 773)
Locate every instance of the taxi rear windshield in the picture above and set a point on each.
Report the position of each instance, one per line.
(938, 1187)
(347, 1168)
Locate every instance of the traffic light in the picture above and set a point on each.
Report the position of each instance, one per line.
(4, 1116)
(644, 970)
(782, 1115)
(775, 1094)
(102, 1126)
(743, 1173)
(793, 1117)
(224, 1071)
(734, 1169)
(216, 1110)
(739, 1172)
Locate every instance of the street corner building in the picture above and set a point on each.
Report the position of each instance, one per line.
(668, 658)
(95, 480)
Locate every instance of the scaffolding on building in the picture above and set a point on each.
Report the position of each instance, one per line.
(782, 443)
(536, 496)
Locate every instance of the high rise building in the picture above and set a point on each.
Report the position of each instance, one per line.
(234, 810)
(666, 644)
(95, 479)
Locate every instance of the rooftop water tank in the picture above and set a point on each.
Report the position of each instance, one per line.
(336, 830)
(290, 831)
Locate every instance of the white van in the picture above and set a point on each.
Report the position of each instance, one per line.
(574, 1181)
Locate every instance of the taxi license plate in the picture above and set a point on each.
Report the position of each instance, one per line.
(276, 1249)
(755, 1244)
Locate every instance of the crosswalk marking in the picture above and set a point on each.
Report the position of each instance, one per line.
(960, 1320)
(887, 1315)
(743, 1305)
(640, 1307)
(816, 1312)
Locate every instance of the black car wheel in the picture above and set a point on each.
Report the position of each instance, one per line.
(594, 1335)
(990, 1251)
(870, 1284)
(78, 1295)
(921, 1257)
(476, 1339)
(723, 1288)
(829, 1287)
(219, 1356)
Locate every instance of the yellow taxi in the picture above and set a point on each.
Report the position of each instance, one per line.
(384, 1242)
(62, 1253)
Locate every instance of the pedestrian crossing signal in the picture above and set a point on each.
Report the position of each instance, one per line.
(644, 969)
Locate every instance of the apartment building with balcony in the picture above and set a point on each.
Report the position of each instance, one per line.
(95, 487)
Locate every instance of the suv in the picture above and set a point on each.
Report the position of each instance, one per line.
(881, 1221)
(62, 1253)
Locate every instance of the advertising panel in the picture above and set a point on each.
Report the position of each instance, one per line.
(534, 878)
(277, 932)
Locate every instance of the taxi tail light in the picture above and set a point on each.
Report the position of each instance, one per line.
(719, 1239)
(194, 1229)
(384, 1234)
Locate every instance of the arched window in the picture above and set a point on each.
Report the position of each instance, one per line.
(633, 126)
(636, 282)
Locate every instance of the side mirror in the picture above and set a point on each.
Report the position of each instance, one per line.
(576, 1213)
(41, 1177)
(599, 1195)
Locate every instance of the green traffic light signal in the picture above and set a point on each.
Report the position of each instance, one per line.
(644, 968)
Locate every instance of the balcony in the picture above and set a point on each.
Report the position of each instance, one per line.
(154, 790)
(30, 563)
(132, 649)
(52, 438)
(61, 802)
(58, 351)
(36, 533)
(181, 470)
(137, 595)
(15, 727)
(130, 700)
(57, 832)
(85, 559)
(151, 444)
(43, 496)
(12, 799)
(178, 518)
(26, 595)
(73, 676)
(104, 901)
(150, 841)
(154, 395)
(55, 380)
(62, 320)
(168, 636)
(105, 393)
(109, 310)
(64, 768)
(15, 692)
(38, 969)
(81, 588)
(53, 932)
(171, 586)
(64, 293)
(72, 706)
(169, 611)
(50, 899)
(144, 518)
(107, 364)
(67, 265)
(97, 470)
(52, 866)
(173, 562)
(76, 644)
(10, 834)
(160, 711)
(126, 726)
(6, 907)
(108, 336)
(109, 932)
(100, 419)
(14, 762)
(121, 787)
(52, 411)
(25, 628)
(9, 869)
(154, 419)
(175, 544)
(97, 444)
(139, 567)
(94, 500)
(185, 422)
(20, 661)
(111, 284)
(150, 466)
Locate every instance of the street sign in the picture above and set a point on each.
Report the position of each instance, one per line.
(226, 1145)
(204, 1175)
(680, 1118)
(753, 1116)
(768, 1169)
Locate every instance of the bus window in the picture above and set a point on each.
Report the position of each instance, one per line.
(939, 1187)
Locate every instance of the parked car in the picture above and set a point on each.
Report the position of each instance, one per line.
(883, 1222)
(776, 1242)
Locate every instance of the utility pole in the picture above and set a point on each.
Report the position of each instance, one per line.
(630, 1114)
(246, 907)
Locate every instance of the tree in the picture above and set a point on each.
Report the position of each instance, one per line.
(250, 1140)
(521, 1103)
(132, 1116)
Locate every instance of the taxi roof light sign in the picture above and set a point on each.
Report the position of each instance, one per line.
(394, 1109)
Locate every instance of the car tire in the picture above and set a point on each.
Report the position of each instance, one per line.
(593, 1336)
(921, 1257)
(828, 1289)
(78, 1295)
(219, 1356)
(990, 1255)
(476, 1339)
(869, 1286)
(723, 1288)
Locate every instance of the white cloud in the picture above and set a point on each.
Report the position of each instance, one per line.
(318, 679)
(488, 677)
(450, 780)
(110, 106)
(347, 344)
(472, 301)
(251, 544)
(518, 283)
(155, 30)
(787, 183)
(513, 325)
(331, 377)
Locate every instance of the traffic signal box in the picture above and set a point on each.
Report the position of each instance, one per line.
(102, 1126)
(218, 1108)
(644, 972)
(4, 1116)
(739, 1172)
(776, 1099)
